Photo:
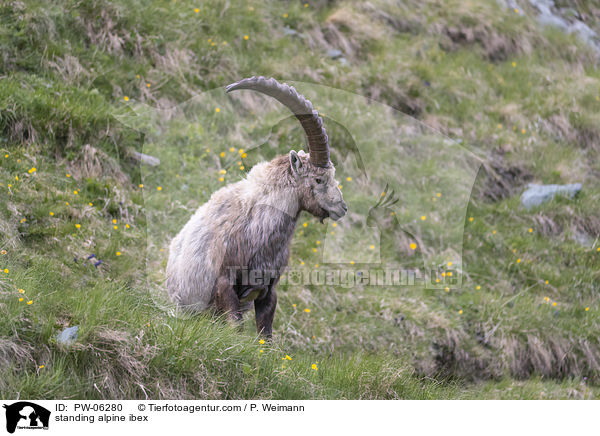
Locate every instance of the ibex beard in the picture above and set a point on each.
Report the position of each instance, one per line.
(248, 225)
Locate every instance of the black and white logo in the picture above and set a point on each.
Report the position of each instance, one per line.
(26, 415)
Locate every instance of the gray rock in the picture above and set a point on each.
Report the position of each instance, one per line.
(538, 194)
(344, 61)
(582, 238)
(566, 19)
(146, 159)
(68, 335)
(289, 31)
(334, 53)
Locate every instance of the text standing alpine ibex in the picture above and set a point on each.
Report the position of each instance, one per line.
(246, 227)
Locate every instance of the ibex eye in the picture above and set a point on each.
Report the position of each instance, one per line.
(319, 181)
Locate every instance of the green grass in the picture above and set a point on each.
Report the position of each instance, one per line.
(523, 100)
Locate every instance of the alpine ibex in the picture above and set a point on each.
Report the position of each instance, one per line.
(245, 228)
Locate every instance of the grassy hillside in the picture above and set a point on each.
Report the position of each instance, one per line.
(85, 85)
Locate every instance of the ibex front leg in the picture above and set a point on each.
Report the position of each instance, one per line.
(226, 300)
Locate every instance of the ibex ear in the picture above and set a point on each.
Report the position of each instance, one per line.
(296, 163)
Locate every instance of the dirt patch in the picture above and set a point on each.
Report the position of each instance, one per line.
(499, 179)
(94, 163)
(496, 47)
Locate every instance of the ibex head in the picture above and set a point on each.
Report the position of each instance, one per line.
(313, 173)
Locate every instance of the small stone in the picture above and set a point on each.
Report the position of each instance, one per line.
(538, 194)
(146, 159)
(68, 335)
(288, 31)
(334, 53)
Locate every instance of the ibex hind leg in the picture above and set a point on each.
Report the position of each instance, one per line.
(226, 300)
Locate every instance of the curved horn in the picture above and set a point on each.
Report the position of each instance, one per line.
(318, 143)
